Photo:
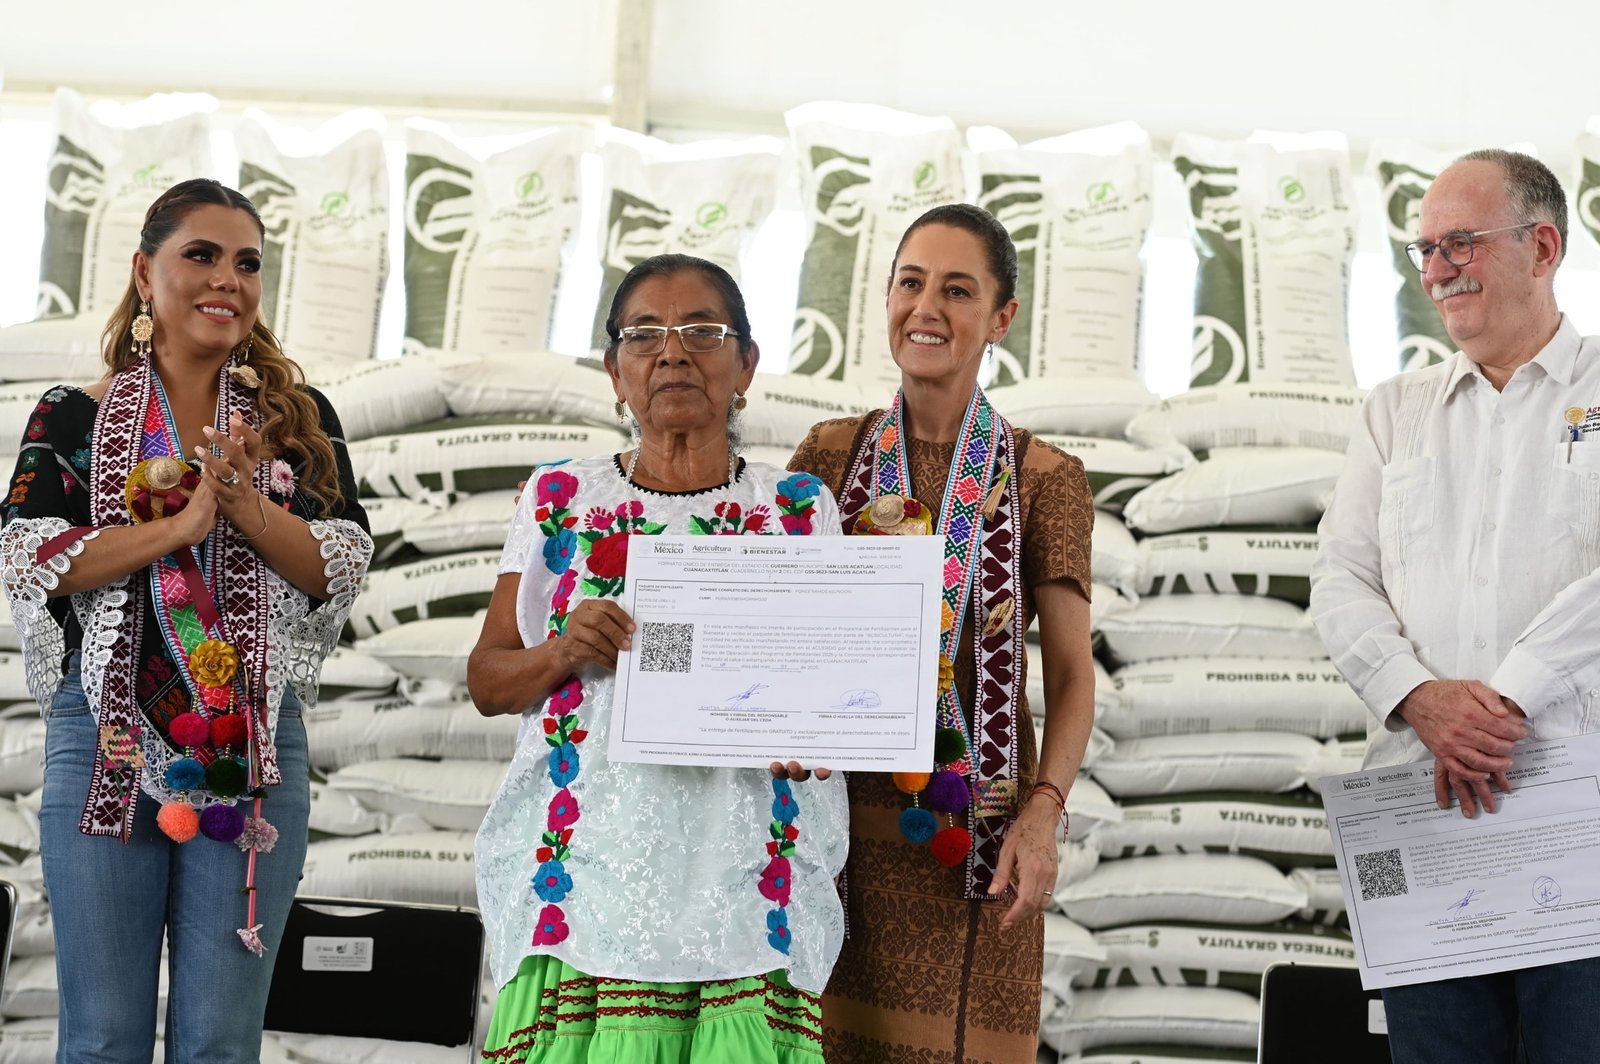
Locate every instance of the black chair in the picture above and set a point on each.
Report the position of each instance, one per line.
(373, 969)
(8, 927)
(1319, 1014)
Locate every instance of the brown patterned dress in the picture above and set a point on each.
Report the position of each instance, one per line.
(926, 976)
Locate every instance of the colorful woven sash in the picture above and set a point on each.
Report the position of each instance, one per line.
(130, 425)
(981, 580)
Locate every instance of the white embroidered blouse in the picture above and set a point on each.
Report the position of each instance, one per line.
(650, 872)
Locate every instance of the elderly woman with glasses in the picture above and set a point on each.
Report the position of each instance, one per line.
(647, 912)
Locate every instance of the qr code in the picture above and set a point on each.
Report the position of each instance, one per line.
(1380, 874)
(666, 647)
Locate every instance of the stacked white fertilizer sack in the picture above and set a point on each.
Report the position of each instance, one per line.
(1273, 222)
(105, 169)
(1214, 858)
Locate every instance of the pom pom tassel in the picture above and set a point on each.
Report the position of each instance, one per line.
(178, 821)
(250, 934)
(251, 937)
(258, 835)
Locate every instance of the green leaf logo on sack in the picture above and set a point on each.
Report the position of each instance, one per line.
(1589, 187)
(1423, 340)
(1016, 200)
(1101, 192)
(710, 214)
(335, 204)
(274, 198)
(924, 175)
(529, 185)
(1218, 352)
(1291, 190)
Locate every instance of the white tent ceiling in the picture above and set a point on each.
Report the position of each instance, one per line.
(1447, 72)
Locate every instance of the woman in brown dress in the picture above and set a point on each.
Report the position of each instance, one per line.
(945, 884)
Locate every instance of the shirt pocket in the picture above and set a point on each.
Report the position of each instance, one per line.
(1406, 515)
(1575, 497)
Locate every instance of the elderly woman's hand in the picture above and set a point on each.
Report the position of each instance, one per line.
(1029, 861)
(596, 630)
(796, 771)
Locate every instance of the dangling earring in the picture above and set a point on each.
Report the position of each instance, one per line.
(740, 402)
(144, 327)
(622, 411)
(244, 373)
(989, 353)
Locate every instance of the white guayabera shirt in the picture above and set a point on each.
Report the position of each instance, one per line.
(1462, 543)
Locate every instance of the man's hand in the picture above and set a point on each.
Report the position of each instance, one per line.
(1466, 725)
(1471, 793)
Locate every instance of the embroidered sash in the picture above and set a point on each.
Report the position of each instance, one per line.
(982, 572)
(239, 579)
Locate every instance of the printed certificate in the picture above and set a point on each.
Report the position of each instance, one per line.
(1433, 895)
(754, 649)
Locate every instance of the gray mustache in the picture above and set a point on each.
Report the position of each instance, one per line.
(1455, 286)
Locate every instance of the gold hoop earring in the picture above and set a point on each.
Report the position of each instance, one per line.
(143, 328)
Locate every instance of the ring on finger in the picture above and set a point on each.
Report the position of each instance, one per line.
(232, 479)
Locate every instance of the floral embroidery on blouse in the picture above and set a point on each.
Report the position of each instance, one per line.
(553, 491)
(730, 519)
(795, 499)
(604, 541)
(777, 877)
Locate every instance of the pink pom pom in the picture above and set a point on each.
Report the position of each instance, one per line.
(178, 821)
(258, 835)
(251, 937)
(190, 729)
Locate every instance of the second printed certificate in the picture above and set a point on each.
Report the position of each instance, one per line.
(751, 649)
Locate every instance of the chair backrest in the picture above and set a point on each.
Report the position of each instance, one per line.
(372, 969)
(8, 927)
(1318, 1014)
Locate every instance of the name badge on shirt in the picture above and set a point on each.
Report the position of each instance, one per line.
(1585, 421)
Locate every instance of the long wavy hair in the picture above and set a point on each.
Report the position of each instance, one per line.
(286, 415)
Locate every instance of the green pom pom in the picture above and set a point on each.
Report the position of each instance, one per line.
(948, 745)
(225, 777)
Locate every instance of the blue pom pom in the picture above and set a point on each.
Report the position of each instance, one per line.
(918, 825)
(185, 774)
(948, 792)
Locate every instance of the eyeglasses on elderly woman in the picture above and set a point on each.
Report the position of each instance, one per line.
(697, 338)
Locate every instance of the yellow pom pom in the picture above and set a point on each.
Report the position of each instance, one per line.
(911, 782)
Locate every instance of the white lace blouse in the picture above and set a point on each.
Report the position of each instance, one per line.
(650, 872)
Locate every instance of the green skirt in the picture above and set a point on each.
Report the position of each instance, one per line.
(551, 1013)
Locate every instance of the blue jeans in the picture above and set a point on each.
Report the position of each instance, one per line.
(112, 904)
(1548, 1015)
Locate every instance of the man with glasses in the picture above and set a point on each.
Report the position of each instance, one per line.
(1456, 586)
